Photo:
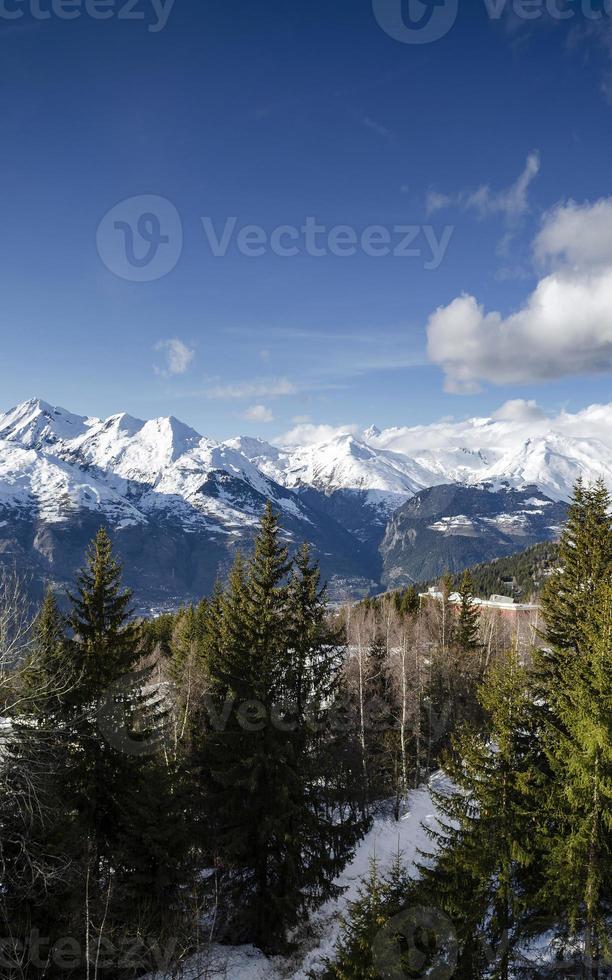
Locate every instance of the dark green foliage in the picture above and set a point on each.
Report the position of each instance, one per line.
(271, 669)
(486, 825)
(104, 645)
(381, 897)
(523, 846)
(573, 674)
(381, 731)
(585, 561)
(156, 634)
(577, 740)
(120, 843)
(521, 576)
(406, 602)
(467, 629)
(233, 735)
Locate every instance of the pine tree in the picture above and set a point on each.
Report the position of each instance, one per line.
(252, 781)
(447, 612)
(572, 705)
(410, 602)
(483, 853)
(271, 664)
(43, 683)
(105, 641)
(382, 746)
(585, 560)
(122, 835)
(381, 897)
(36, 828)
(467, 628)
(577, 740)
(315, 653)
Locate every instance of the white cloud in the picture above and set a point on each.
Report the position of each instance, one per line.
(259, 389)
(519, 410)
(178, 356)
(507, 429)
(511, 202)
(308, 434)
(563, 328)
(437, 202)
(258, 413)
(577, 235)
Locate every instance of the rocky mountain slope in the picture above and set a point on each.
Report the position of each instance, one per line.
(451, 527)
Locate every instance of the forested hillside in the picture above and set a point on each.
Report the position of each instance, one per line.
(522, 575)
(203, 779)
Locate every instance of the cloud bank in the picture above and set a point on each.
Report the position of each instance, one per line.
(564, 327)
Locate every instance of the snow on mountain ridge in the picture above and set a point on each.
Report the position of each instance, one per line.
(553, 463)
(45, 484)
(156, 465)
(344, 463)
(167, 457)
(35, 422)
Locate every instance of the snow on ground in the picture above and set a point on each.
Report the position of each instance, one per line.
(386, 837)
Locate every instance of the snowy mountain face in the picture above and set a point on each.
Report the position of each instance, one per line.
(345, 478)
(511, 451)
(179, 504)
(344, 463)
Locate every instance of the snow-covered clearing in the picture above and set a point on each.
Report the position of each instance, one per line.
(318, 940)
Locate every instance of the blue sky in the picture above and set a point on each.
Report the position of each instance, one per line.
(273, 112)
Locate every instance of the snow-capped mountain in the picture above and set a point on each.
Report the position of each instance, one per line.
(350, 481)
(343, 463)
(553, 463)
(178, 503)
(518, 447)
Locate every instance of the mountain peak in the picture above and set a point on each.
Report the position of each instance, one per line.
(35, 422)
(373, 432)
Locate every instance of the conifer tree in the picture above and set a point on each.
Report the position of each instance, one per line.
(447, 612)
(483, 859)
(43, 684)
(105, 641)
(585, 560)
(382, 746)
(577, 741)
(382, 896)
(313, 647)
(122, 833)
(467, 628)
(410, 602)
(37, 873)
(251, 776)
(270, 665)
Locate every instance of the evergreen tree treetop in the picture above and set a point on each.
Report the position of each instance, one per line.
(100, 616)
(467, 630)
(585, 558)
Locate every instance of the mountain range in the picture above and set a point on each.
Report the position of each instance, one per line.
(178, 505)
